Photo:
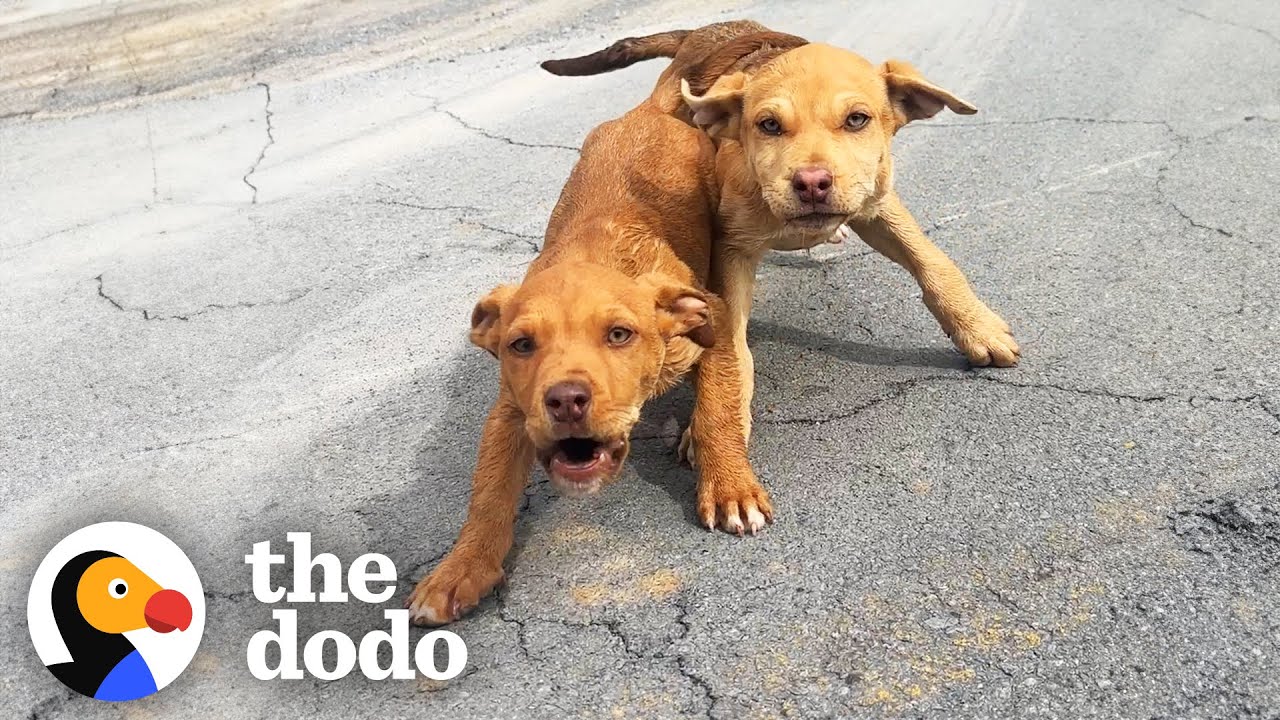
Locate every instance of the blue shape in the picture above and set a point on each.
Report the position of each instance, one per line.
(130, 679)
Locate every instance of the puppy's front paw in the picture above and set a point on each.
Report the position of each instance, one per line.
(987, 340)
(451, 591)
(688, 452)
(737, 507)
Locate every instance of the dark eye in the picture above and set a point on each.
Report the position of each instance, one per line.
(118, 588)
(856, 121)
(619, 336)
(521, 346)
(770, 126)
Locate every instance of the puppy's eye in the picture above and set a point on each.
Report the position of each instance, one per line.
(521, 346)
(856, 121)
(770, 126)
(619, 336)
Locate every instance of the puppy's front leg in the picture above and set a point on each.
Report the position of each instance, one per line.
(474, 566)
(733, 278)
(729, 496)
(983, 336)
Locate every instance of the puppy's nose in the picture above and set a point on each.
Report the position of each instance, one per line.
(812, 184)
(568, 401)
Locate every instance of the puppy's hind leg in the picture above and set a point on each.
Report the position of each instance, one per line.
(474, 566)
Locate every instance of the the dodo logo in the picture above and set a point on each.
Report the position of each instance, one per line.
(116, 611)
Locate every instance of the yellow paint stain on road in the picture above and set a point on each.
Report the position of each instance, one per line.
(661, 583)
(589, 595)
(566, 534)
(1027, 639)
(617, 564)
(13, 562)
(920, 487)
(205, 663)
(657, 585)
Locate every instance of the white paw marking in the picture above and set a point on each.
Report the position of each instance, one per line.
(423, 614)
(733, 524)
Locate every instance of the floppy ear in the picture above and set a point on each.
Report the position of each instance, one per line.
(681, 310)
(719, 111)
(914, 98)
(485, 316)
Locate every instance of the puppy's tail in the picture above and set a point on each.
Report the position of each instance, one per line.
(625, 52)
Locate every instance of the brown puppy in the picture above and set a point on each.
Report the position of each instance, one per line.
(611, 313)
(803, 134)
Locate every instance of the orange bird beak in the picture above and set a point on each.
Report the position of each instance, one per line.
(168, 610)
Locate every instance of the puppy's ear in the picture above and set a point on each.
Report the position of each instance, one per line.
(914, 98)
(484, 318)
(681, 310)
(719, 111)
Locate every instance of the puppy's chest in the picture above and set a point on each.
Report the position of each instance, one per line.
(751, 232)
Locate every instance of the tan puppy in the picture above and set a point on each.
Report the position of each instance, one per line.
(803, 134)
(611, 313)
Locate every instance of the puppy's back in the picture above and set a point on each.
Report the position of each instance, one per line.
(645, 183)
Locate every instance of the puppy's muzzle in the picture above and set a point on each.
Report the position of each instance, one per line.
(812, 185)
(567, 402)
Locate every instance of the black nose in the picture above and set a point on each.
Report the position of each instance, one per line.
(812, 184)
(568, 401)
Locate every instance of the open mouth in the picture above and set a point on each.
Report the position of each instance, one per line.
(581, 465)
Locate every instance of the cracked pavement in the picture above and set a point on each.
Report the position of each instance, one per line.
(319, 195)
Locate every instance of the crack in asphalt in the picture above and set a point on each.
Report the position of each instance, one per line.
(47, 708)
(495, 136)
(434, 208)
(1231, 23)
(1104, 392)
(530, 240)
(902, 387)
(271, 140)
(1274, 412)
(181, 443)
(211, 307)
(699, 682)
(522, 636)
(614, 627)
(1181, 141)
(235, 596)
(1046, 120)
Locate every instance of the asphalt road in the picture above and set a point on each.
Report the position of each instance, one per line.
(239, 244)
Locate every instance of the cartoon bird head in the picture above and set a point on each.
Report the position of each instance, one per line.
(114, 597)
(98, 596)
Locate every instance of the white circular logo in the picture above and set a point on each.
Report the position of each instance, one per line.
(116, 611)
